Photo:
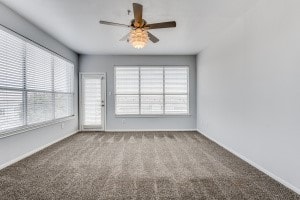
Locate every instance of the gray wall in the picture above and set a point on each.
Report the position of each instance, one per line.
(15, 146)
(90, 63)
(249, 89)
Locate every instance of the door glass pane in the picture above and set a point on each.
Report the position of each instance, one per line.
(92, 100)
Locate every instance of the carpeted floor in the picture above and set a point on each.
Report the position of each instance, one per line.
(141, 165)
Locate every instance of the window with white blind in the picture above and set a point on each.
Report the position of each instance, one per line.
(36, 86)
(151, 90)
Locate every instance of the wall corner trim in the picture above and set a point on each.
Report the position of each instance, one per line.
(35, 151)
(262, 169)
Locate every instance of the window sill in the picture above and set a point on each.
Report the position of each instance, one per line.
(153, 116)
(23, 129)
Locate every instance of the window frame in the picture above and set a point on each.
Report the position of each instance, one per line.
(27, 127)
(163, 115)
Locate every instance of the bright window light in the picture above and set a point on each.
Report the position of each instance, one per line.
(36, 85)
(151, 90)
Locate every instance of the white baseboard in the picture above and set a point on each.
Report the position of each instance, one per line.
(34, 151)
(262, 169)
(150, 130)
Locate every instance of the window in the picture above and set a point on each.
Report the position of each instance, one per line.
(147, 90)
(36, 86)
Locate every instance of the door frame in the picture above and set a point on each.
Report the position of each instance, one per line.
(103, 86)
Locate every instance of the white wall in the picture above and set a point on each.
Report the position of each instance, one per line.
(249, 88)
(15, 146)
(90, 63)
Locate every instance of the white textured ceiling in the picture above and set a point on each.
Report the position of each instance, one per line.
(75, 23)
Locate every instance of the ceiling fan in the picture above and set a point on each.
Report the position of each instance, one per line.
(139, 35)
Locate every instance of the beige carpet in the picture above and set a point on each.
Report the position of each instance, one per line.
(142, 165)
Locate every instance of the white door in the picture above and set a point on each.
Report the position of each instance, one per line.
(92, 97)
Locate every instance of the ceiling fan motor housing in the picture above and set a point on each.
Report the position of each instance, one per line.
(136, 24)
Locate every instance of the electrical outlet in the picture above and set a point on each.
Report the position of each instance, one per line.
(62, 125)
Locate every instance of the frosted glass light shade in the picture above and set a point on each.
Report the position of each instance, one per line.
(138, 38)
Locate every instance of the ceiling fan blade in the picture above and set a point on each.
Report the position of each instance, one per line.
(114, 24)
(126, 37)
(170, 24)
(152, 38)
(138, 13)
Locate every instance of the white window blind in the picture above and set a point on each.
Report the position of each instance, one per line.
(38, 69)
(63, 87)
(39, 80)
(152, 87)
(39, 107)
(176, 90)
(35, 84)
(11, 81)
(11, 109)
(127, 88)
(12, 61)
(151, 90)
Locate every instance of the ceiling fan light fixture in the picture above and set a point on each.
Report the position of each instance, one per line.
(138, 38)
